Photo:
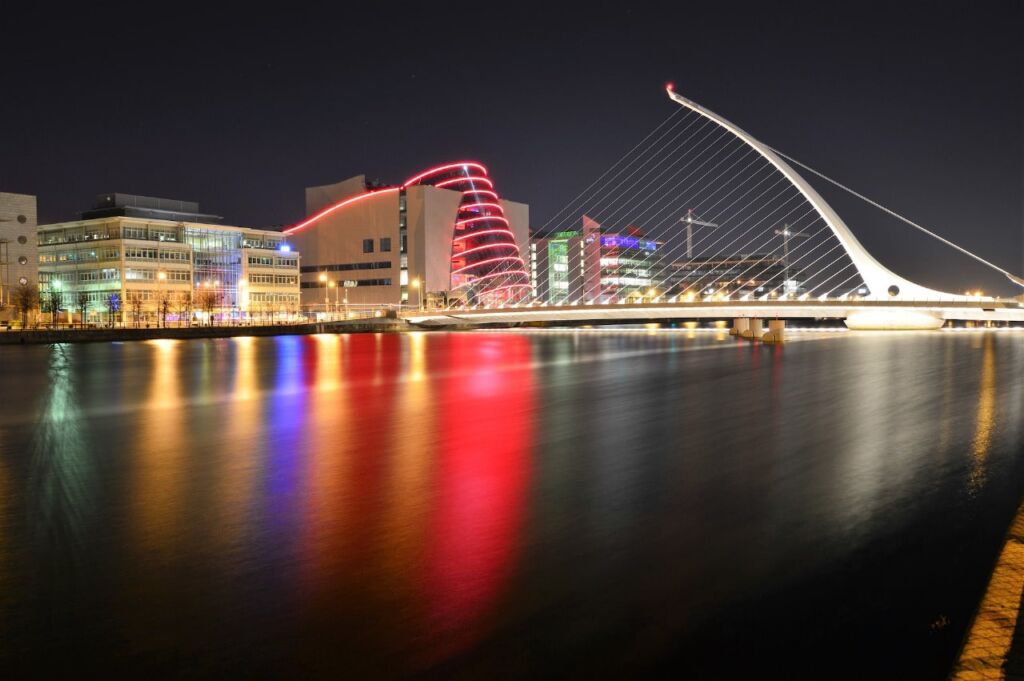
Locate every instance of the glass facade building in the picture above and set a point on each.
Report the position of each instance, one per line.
(133, 270)
(591, 265)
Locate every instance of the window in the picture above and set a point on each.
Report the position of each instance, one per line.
(137, 275)
(140, 253)
(367, 245)
(385, 245)
(163, 234)
(134, 232)
(344, 267)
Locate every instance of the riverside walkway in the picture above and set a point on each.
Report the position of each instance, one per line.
(994, 647)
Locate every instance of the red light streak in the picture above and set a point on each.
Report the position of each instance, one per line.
(481, 191)
(481, 218)
(440, 169)
(468, 178)
(485, 262)
(340, 204)
(485, 231)
(468, 206)
(501, 274)
(486, 246)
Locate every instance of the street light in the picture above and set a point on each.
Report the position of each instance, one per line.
(415, 283)
(161, 277)
(331, 285)
(323, 280)
(55, 300)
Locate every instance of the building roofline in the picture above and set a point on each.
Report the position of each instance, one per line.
(153, 221)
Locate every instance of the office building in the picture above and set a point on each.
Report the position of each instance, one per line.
(135, 259)
(592, 264)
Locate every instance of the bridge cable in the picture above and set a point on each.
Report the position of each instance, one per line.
(1017, 280)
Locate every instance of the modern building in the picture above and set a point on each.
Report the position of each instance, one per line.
(442, 236)
(18, 258)
(133, 258)
(592, 265)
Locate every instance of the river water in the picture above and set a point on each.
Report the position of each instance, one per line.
(550, 503)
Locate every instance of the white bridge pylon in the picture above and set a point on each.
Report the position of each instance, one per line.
(882, 283)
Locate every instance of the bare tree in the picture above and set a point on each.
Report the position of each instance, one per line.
(164, 306)
(26, 299)
(113, 306)
(183, 306)
(82, 303)
(53, 299)
(207, 300)
(135, 305)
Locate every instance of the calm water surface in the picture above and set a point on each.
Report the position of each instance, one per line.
(504, 504)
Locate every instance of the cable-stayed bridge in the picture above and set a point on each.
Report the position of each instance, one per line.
(712, 223)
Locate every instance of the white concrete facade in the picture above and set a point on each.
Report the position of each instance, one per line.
(18, 254)
(357, 243)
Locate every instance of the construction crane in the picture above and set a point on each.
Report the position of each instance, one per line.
(690, 220)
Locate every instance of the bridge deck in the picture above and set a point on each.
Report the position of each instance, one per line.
(981, 310)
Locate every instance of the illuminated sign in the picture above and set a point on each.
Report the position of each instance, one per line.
(617, 241)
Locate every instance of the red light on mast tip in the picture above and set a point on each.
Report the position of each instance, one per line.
(669, 87)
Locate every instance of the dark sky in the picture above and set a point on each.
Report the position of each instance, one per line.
(919, 106)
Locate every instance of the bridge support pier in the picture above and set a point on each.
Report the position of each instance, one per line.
(754, 330)
(776, 331)
(739, 325)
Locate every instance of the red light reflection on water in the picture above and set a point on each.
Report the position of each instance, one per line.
(482, 476)
(418, 456)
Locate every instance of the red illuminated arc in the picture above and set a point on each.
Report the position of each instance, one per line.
(487, 236)
(492, 269)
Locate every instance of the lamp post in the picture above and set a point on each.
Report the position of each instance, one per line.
(55, 300)
(242, 300)
(415, 283)
(161, 277)
(334, 308)
(323, 282)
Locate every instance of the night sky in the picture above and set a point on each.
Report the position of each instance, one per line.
(920, 107)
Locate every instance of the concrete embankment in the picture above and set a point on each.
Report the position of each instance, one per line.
(46, 336)
(994, 647)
